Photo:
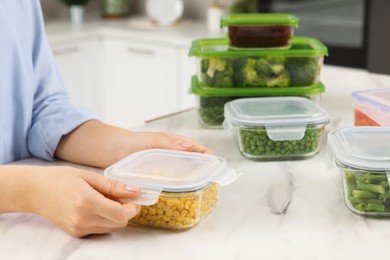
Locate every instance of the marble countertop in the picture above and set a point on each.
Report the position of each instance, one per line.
(274, 210)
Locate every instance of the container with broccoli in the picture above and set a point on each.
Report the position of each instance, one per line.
(211, 101)
(220, 67)
(362, 155)
(276, 128)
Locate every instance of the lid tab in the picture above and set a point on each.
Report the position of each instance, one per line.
(283, 133)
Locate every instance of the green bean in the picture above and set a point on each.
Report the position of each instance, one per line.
(370, 187)
(361, 207)
(367, 191)
(385, 196)
(363, 194)
(375, 207)
(354, 200)
(375, 179)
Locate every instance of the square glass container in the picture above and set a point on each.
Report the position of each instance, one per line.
(220, 67)
(211, 101)
(178, 189)
(276, 128)
(260, 30)
(372, 107)
(362, 155)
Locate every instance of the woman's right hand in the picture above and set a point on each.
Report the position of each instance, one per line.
(80, 202)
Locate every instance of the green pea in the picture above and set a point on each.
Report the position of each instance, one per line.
(255, 142)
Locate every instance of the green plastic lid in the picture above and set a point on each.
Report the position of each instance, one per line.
(219, 47)
(259, 19)
(202, 90)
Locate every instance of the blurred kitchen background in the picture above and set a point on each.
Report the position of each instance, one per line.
(107, 61)
(353, 30)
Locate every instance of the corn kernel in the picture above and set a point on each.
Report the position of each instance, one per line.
(179, 210)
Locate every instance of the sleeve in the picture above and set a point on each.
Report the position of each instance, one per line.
(53, 115)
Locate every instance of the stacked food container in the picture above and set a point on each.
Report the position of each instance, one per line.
(259, 58)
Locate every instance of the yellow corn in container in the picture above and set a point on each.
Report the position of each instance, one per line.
(178, 189)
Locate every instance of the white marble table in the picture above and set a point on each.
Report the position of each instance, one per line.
(275, 210)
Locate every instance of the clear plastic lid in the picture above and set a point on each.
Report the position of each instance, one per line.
(379, 98)
(259, 19)
(285, 118)
(219, 47)
(366, 148)
(157, 170)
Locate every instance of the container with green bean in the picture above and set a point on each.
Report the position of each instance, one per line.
(276, 128)
(363, 156)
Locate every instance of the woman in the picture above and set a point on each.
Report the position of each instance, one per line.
(38, 120)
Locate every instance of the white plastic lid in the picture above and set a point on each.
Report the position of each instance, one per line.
(285, 118)
(366, 148)
(157, 170)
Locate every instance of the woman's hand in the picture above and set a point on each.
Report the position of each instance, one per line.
(78, 201)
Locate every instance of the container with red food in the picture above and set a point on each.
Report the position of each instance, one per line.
(372, 107)
(260, 30)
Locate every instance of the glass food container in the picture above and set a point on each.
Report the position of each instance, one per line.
(372, 107)
(178, 189)
(260, 30)
(220, 67)
(276, 128)
(362, 155)
(211, 101)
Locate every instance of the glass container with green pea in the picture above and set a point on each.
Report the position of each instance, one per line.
(276, 128)
(362, 155)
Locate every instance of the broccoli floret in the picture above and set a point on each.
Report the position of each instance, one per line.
(303, 71)
(282, 80)
(217, 72)
(262, 72)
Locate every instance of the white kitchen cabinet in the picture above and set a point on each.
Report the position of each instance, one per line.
(186, 69)
(79, 63)
(140, 81)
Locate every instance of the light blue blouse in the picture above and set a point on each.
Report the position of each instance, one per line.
(35, 111)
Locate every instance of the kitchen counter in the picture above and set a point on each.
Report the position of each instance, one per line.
(274, 210)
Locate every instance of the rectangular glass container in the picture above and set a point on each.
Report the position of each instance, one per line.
(276, 128)
(178, 189)
(362, 155)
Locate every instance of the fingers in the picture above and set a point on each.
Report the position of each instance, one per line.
(176, 142)
(98, 224)
(117, 213)
(110, 188)
(108, 206)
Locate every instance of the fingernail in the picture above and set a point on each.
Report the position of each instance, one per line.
(186, 145)
(131, 188)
